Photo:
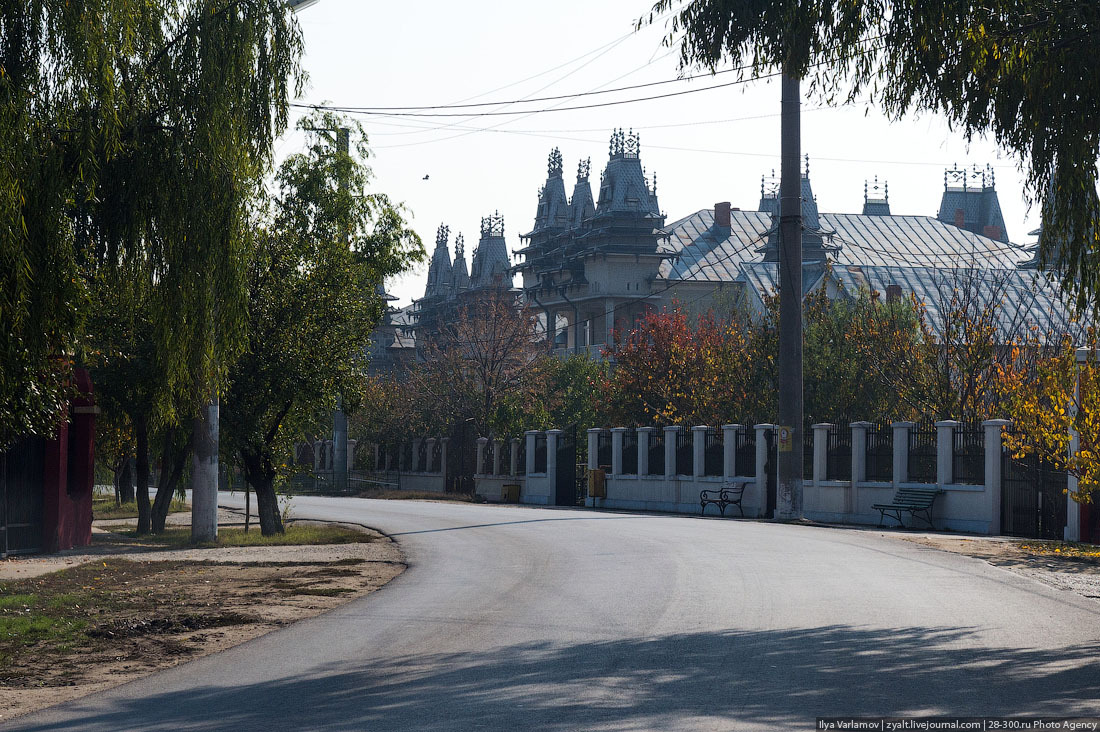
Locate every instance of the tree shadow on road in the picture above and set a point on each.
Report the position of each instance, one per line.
(776, 679)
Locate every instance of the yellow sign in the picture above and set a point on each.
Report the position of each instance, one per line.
(785, 439)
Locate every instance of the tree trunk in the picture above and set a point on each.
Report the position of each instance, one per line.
(260, 474)
(141, 432)
(126, 482)
(247, 506)
(173, 460)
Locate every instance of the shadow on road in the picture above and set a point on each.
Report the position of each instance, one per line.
(779, 678)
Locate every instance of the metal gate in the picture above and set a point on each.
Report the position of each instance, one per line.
(566, 487)
(461, 459)
(22, 474)
(1033, 498)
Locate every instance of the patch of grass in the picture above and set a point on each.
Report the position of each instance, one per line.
(178, 538)
(29, 618)
(103, 507)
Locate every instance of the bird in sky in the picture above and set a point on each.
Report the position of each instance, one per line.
(425, 177)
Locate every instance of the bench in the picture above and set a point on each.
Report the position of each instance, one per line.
(914, 500)
(730, 494)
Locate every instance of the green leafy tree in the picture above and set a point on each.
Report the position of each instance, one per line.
(315, 272)
(132, 136)
(1021, 70)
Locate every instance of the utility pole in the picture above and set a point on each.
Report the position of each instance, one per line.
(339, 419)
(788, 503)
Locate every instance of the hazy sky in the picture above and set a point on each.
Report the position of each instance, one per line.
(705, 146)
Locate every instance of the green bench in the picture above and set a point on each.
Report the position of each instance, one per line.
(912, 499)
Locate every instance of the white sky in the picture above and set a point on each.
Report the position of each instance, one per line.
(701, 145)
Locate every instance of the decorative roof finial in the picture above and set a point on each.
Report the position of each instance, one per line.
(886, 190)
(492, 226)
(554, 165)
(583, 169)
(442, 234)
(807, 174)
(632, 146)
(460, 247)
(655, 183)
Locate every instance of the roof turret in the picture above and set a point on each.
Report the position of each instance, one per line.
(876, 198)
(490, 264)
(461, 276)
(440, 274)
(813, 237)
(970, 202)
(623, 186)
(553, 210)
(581, 206)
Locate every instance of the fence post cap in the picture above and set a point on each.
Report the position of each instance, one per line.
(620, 429)
(646, 429)
(1082, 354)
(596, 430)
(482, 440)
(948, 423)
(822, 426)
(553, 432)
(861, 423)
(896, 425)
(996, 422)
(765, 426)
(673, 428)
(700, 428)
(733, 426)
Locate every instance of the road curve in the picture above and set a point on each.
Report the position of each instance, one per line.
(513, 618)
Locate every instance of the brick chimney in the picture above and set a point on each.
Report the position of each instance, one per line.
(722, 214)
(893, 293)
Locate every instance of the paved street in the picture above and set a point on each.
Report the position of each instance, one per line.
(514, 618)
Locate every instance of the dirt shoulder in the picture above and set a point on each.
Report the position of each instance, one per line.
(89, 619)
(1073, 567)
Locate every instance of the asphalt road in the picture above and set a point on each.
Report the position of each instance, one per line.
(515, 618)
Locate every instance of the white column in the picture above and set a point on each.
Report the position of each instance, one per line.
(859, 451)
(443, 456)
(671, 468)
(643, 449)
(901, 451)
(351, 453)
(514, 461)
(699, 450)
(529, 435)
(480, 464)
(552, 462)
(498, 449)
(617, 450)
(416, 466)
(594, 448)
(945, 449)
(821, 450)
(993, 484)
(429, 452)
(730, 433)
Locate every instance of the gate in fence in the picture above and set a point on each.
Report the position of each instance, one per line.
(461, 459)
(565, 485)
(1033, 498)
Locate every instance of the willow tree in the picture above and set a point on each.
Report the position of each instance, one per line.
(132, 136)
(320, 254)
(1021, 70)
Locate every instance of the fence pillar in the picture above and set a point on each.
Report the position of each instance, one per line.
(671, 433)
(945, 450)
(699, 450)
(821, 450)
(552, 461)
(514, 456)
(351, 454)
(594, 448)
(730, 434)
(498, 449)
(443, 457)
(901, 451)
(643, 449)
(328, 454)
(429, 453)
(416, 466)
(530, 435)
(316, 456)
(859, 451)
(762, 466)
(480, 463)
(993, 477)
(617, 450)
